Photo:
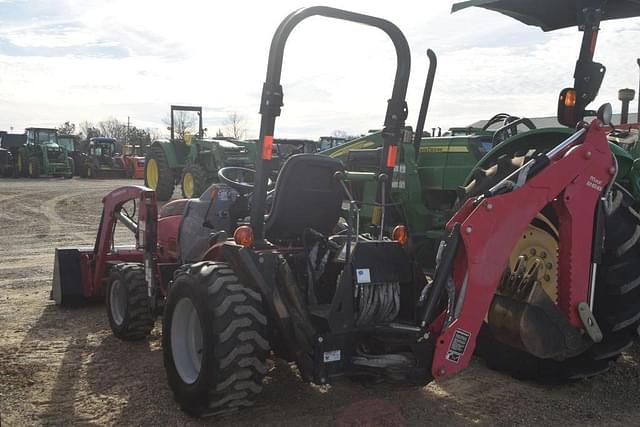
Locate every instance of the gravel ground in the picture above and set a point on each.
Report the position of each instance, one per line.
(63, 366)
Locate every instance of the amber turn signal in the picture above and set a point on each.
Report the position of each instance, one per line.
(243, 236)
(400, 234)
(569, 98)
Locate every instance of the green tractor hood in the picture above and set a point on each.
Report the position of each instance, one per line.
(552, 15)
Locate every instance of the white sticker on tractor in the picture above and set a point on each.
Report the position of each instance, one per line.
(363, 275)
(458, 345)
(595, 183)
(331, 356)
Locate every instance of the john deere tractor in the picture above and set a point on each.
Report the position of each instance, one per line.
(193, 161)
(42, 156)
(435, 174)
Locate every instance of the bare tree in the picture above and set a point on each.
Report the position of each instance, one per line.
(113, 128)
(88, 130)
(155, 133)
(340, 134)
(235, 125)
(183, 122)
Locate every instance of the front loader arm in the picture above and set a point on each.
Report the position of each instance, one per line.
(112, 205)
(490, 227)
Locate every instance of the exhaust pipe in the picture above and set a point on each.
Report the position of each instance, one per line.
(626, 96)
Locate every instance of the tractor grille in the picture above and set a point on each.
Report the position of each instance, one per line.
(55, 156)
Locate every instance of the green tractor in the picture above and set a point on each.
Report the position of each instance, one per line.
(193, 161)
(43, 156)
(434, 174)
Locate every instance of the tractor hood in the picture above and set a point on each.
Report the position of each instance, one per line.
(551, 15)
(52, 146)
(229, 146)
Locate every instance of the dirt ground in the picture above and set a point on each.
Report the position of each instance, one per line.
(63, 366)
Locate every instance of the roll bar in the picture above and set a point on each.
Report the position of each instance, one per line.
(272, 94)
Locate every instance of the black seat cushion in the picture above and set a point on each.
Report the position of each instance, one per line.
(307, 195)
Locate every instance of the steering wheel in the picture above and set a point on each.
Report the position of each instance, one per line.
(242, 187)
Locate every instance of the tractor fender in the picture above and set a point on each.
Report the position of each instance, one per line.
(543, 139)
(175, 158)
(624, 158)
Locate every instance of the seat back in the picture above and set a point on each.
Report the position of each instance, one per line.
(307, 195)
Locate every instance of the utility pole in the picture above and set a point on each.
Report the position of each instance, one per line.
(127, 137)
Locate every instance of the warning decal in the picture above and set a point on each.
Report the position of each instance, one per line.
(458, 345)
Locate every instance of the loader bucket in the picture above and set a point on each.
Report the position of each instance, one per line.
(68, 271)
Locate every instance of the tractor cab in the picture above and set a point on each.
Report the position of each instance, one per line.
(47, 139)
(102, 159)
(102, 148)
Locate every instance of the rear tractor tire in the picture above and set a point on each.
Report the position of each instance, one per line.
(213, 340)
(72, 167)
(194, 181)
(158, 175)
(128, 308)
(617, 299)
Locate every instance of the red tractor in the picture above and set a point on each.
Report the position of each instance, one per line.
(251, 266)
(132, 158)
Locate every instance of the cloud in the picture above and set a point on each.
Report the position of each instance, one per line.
(88, 60)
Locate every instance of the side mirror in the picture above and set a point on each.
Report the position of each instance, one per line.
(568, 114)
(605, 114)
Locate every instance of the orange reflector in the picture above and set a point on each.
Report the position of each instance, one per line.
(400, 234)
(570, 98)
(243, 236)
(267, 147)
(391, 156)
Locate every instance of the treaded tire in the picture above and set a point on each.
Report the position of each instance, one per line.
(130, 315)
(34, 168)
(166, 177)
(233, 345)
(199, 175)
(72, 167)
(616, 308)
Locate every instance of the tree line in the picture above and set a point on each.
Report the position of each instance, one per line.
(184, 123)
(111, 128)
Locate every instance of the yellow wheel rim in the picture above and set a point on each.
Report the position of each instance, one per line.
(187, 185)
(30, 169)
(540, 244)
(19, 163)
(152, 174)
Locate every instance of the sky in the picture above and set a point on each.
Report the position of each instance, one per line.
(85, 60)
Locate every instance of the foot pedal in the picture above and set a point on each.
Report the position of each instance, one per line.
(589, 322)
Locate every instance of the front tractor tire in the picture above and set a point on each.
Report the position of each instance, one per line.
(128, 306)
(34, 168)
(158, 175)
(213, 340)
(194, 181)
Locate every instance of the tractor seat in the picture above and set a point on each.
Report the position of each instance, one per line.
(307, 195)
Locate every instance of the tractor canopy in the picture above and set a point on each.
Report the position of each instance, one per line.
(552, 15)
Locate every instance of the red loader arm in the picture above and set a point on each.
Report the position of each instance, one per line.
(111, 213)
(489, 228)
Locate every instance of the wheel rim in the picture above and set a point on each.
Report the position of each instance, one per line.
(186, 341)
(118, 302)
(540, 243)
(30, 168)
(152, 174)
(187, 184)
(19, 163)
(89, 172)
